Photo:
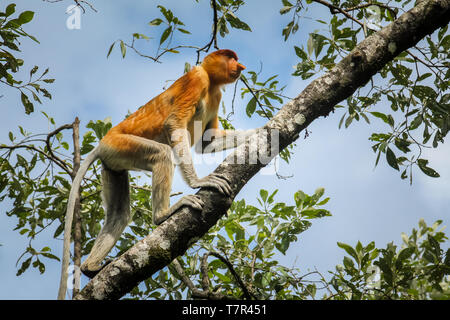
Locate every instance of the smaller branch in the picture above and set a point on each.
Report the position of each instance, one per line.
(214, 33)
(362, 6)
(204, 272)
(429, 66)
(233, 272)
(62, 166)
(50, 151)
(334, 9)
(256, 98)
(195, 292)
(90, 195)
(78, 3)
(150, 190)
(158, 56)
(231, 113)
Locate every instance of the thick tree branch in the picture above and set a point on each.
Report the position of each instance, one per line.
(175, 235)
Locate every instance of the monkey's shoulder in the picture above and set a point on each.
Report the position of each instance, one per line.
(194, 81)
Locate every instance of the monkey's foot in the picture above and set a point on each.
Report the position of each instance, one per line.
(215, 180)
(192, 200)
(92, 273)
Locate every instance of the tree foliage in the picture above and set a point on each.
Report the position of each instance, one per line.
(238, 258)
(11, 33)
(418, 270)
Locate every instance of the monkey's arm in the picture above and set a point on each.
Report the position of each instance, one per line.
(215, 139)
(179, 138)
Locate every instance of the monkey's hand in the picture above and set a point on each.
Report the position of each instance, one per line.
(214, 180)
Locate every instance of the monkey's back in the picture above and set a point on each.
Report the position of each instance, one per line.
(178, 102)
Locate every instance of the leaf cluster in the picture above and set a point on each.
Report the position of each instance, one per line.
(11, 32)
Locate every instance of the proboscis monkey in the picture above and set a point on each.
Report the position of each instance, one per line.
(151, 139)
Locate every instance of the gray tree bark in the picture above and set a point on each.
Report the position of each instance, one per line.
(173, 237)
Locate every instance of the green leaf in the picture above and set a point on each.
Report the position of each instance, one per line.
(165, 35)
(26, 17)
(405, 254)
(427, 170)
(310, 44)
(236, 23)
(222, 278)
(140, 36)
(348, 249)
(155, 22)
(184, 31)
(323, 202)
(300, 53)
(285, 9)
(26, 103)
(381, 116)
(284, 244)
(33, 71)
(251, 107)
(264, 194)
(166, 13)
(416, 122)
(24, 266)
(50, 256)
(123, 49)
(110, 49)
(270, 199)
(10, 9)
(349, 264)
(391, 159)
(287, 30)
(424, 76)
(65, 145)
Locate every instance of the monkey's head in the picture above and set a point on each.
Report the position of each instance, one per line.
(222, 66)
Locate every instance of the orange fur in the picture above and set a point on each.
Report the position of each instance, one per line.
(144, 141)
(176, 107)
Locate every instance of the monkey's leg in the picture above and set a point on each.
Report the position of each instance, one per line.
(149, 155)
(116, 198)
(162, 174)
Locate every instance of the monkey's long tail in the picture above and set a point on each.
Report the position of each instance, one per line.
(74, 194)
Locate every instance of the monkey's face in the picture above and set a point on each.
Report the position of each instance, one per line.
(222, 66)
(234, 69)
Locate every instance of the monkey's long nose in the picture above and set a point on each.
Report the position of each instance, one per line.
(241, 66)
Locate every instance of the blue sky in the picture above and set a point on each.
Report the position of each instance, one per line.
(366, 204)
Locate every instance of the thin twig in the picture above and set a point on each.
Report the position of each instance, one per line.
(195, 292)
(334, 9)
(233, 272)
(254, 96)
(62, 166)
(214, 33)
(50, 151)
